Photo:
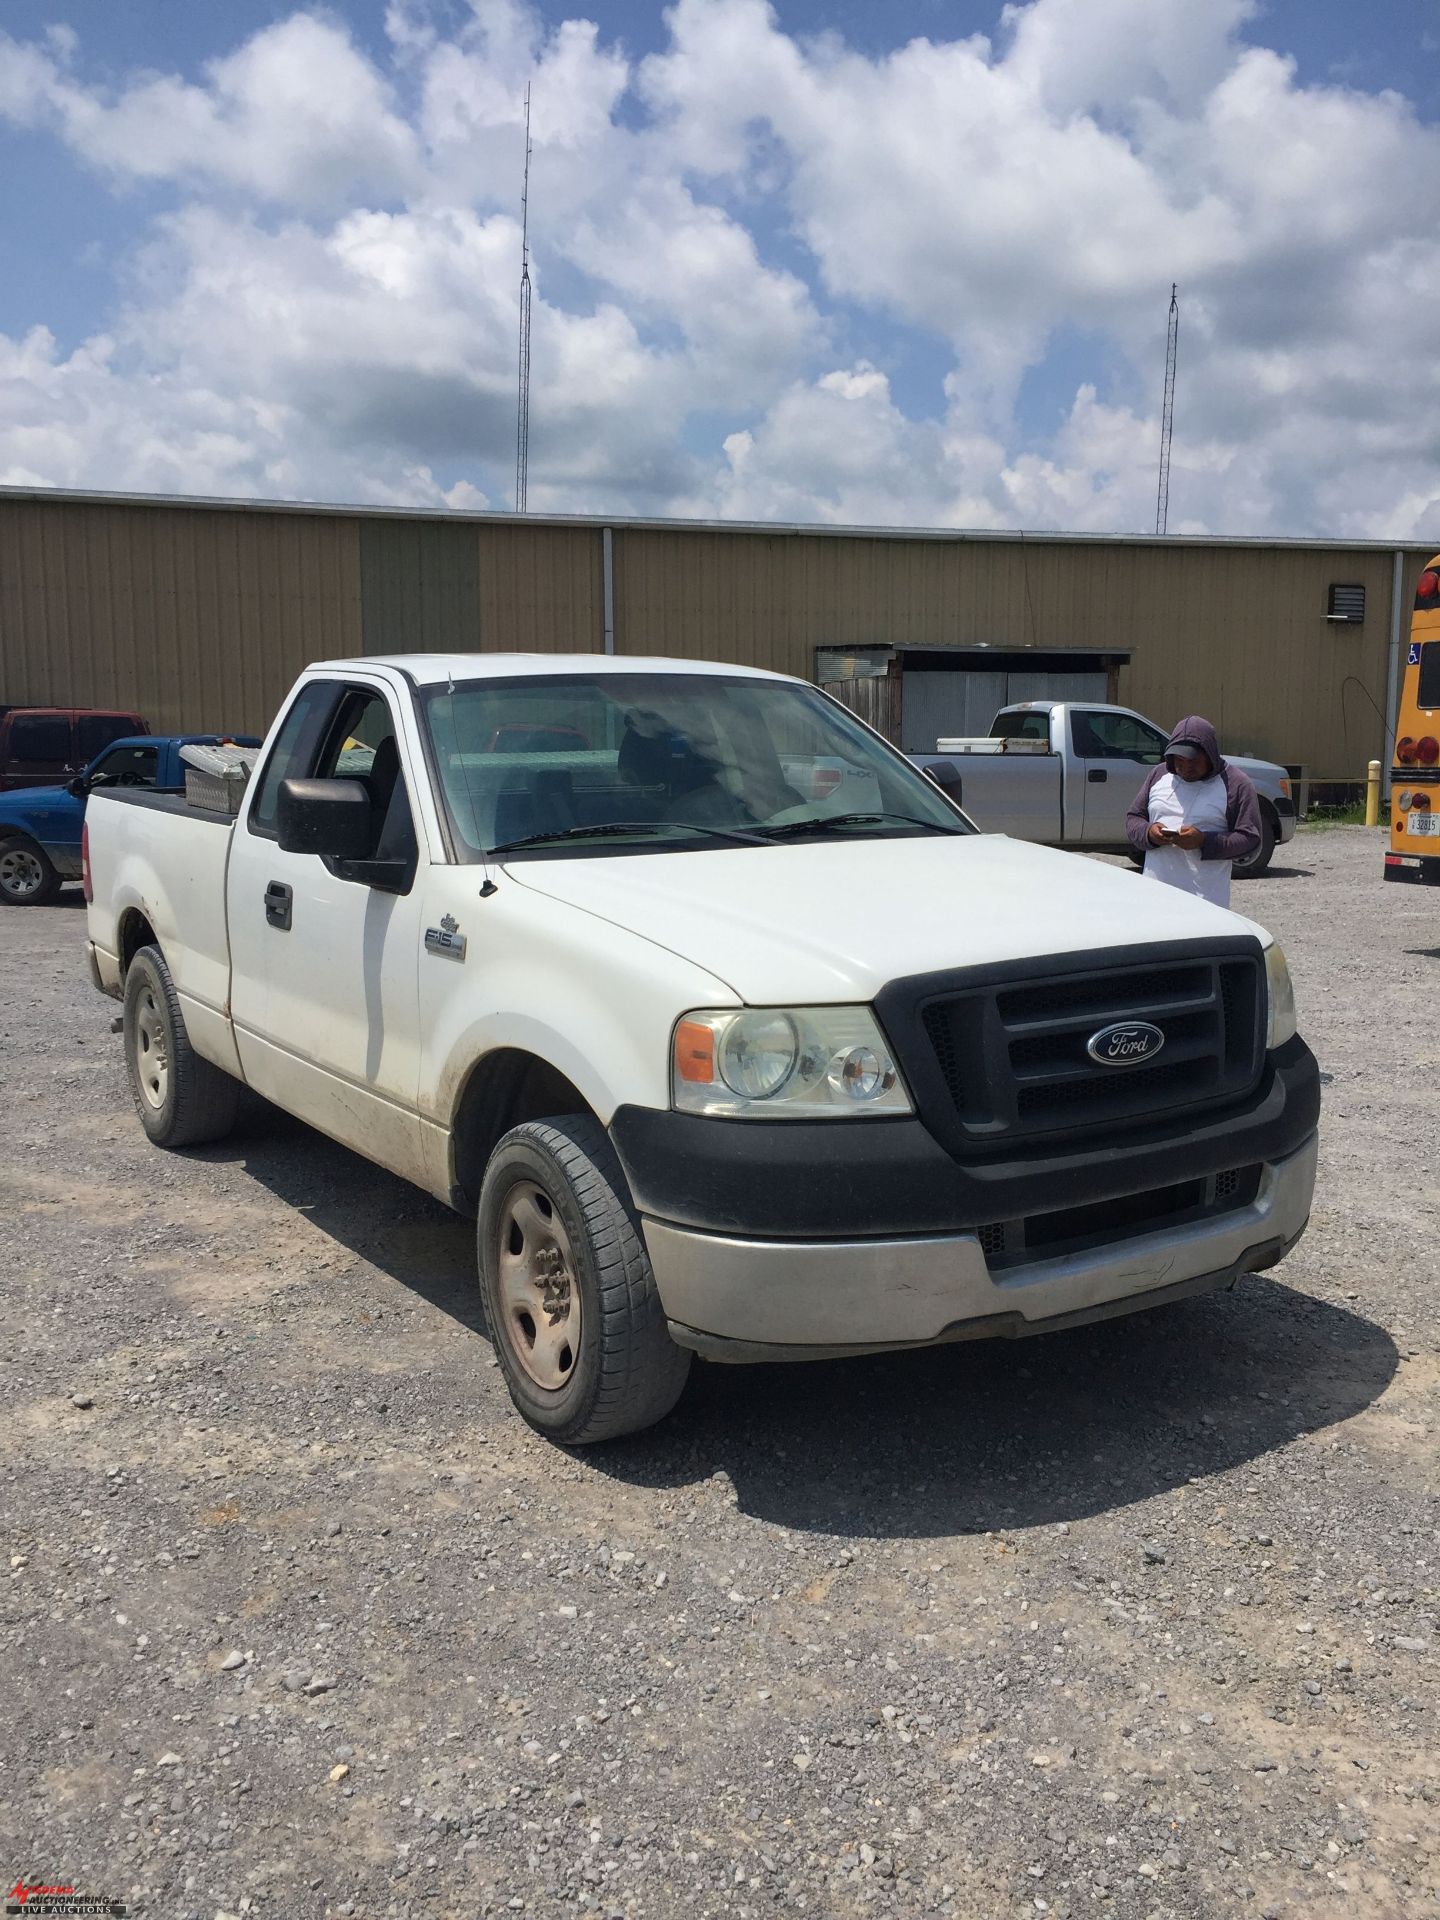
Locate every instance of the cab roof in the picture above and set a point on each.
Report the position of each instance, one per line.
(436, 669)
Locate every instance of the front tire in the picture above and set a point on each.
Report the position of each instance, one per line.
(1264, 853)
(565, 1281)
(27, 874)
(181, 1099)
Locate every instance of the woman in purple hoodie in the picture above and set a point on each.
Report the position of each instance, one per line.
(1195, 815)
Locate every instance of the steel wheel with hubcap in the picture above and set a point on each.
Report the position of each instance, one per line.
(565, 1281)
(152, 1050)
(27, 877)
(542, 1299)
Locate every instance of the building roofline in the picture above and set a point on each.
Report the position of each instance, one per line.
(635, 523)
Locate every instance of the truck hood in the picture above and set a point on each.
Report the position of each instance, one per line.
(21, 804)
(1266, 774)
(834, 922)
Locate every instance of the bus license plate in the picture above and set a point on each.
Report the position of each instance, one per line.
(1425, 823)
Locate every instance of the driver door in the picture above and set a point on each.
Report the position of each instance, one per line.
(324, 988)
(1113, 752)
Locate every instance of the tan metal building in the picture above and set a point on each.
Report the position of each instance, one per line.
(200, 612)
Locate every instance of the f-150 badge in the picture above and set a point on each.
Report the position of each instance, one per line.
(446, 938)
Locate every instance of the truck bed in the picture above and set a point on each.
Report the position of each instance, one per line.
(156, 861)
(1016, 793)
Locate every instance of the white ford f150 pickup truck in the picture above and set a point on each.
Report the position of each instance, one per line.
(1065, 773)
(732, 1031)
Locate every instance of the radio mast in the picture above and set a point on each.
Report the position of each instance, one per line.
(522, 411)
(1167, 415)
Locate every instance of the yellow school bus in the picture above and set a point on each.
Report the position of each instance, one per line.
(1415, 776)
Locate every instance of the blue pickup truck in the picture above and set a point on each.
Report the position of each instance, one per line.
(40, 827)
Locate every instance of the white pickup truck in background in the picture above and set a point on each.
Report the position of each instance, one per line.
(731, 1031)
(1064, 773)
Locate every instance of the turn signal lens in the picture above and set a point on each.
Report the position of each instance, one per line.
(1405, 751)
(1427, 751)
(695, 1053)
(86, 883)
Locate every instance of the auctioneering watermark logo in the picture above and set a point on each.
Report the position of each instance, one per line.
(39, 1897)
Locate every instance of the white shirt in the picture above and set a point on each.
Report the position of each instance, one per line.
(1180, 803)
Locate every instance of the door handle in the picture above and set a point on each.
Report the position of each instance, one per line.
(278, 902)
(1097, 776)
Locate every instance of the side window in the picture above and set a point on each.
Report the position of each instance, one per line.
(1115, 736)
(40, 740)
(361, 728)
(361, 745)
(1021, 726)
(95, 731)
(127, 767)
(293, 753)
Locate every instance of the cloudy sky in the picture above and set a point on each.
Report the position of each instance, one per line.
(904, 263)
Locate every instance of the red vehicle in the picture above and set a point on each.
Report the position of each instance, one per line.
(46, 746)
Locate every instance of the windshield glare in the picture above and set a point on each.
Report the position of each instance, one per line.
(678, 757)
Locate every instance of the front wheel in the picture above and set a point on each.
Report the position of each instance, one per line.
(569, 1298)
(1264, 853)
(181, 1099)
(27, 875)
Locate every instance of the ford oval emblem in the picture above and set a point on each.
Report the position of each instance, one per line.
(1129, 1043)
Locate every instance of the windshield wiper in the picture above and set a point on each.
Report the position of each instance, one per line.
(609, 828)
(822, 823)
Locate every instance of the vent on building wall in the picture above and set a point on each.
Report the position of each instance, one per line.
(1347, 604)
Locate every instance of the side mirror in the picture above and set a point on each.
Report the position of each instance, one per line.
(79, 786)
(946, 776)
(329, 818)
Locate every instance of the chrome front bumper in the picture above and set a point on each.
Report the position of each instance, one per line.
(784, 1299)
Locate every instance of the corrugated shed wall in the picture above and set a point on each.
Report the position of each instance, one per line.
(200, 619)
(419, 586)
(201, 616)
(1237, 633)
(541, 589)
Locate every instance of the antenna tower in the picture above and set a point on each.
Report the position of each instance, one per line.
(1167, 415)
(522, 411)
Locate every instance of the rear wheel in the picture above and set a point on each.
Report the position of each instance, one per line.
(565, 1280)
(27, 875)
(181, 1099)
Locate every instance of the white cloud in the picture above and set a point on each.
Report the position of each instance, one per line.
(296, 115)
(727, 237)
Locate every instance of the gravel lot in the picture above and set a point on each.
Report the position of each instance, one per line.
(300, 1620)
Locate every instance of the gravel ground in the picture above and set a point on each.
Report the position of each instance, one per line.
(301, 1620)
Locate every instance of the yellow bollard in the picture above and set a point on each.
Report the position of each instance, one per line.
(1372, 795)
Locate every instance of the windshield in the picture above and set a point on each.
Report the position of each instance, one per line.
(651, 762)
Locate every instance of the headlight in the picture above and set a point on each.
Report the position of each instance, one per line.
(1280, 995)
(784, 1063)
